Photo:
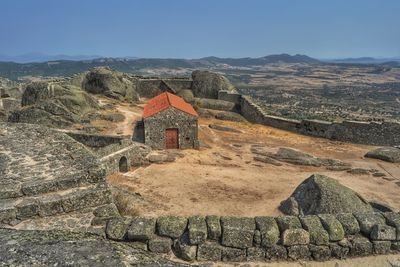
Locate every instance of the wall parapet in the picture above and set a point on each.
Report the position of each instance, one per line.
(369, 133)
(235, 239)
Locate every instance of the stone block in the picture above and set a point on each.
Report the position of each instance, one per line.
(332, 226)
(339, 251)
(269, 230)
(209, 252)
(276, 253)
(320, 253)
(395, 246)
(92, 197)
(39, 187)
(27, 208)
(360, 246)
(257, 238)
(183, 250)
(255, 254)
(7, 213)
(318, 235)
(381, 247)
(213, 227)
(171, 226)
(138, 245)
(393, 219)
(288, 222)
(160, 244)
(349, 223)
(141, 229)
(106, 211)
(292, 237)
(368, 220)
(50, 205)
(233, 254)
(116, 228)
(383, 232)
(299, 252)
(10, 190)
(197, 229)
(237, 232)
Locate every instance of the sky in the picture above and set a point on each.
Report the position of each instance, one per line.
(194, 29)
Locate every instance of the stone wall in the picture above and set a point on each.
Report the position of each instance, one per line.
(135, 154)
(102, 145)
(235, 239)
(370, 133)
(155, 126)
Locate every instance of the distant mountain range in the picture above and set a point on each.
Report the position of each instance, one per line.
(363, 60)
(63, 65)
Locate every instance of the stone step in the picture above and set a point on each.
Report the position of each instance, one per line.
(33, 188)
(22, 208)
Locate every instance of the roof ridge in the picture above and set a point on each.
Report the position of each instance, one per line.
(169, 100)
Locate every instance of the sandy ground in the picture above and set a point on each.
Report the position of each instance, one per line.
(370, 261)
(225, 180)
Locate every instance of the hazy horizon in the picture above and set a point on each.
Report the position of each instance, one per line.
(191, 29)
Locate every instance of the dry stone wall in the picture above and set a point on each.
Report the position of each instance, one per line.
(370, 133)
(236, 239)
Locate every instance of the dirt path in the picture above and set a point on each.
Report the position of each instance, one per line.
(226, 180)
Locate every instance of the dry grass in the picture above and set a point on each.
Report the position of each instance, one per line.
(125, 203)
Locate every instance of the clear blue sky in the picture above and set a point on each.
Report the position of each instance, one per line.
(192, 29)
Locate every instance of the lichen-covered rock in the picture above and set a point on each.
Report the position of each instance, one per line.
(255, 254)
(361, 246)
(276, 253)
(318, 235)
(393, 219)
(213, 227)
(288, 222)
(208, 84)
(320, 253)
(53, 105)
(368, 220)
(209, 252)
(103, 80)
(141, 229)
(60, 248)
(187, 95)
(116, 228)
(320, 194)
(389, 154)
(257, 238)
(160, 244)
(381, 247)
(299, 252)
(383, 232)
(171, 226)
(233, 254)
(349, 223)
(197, 230)
(237, 232)
(106, 211)
(269, 230)
(184, 250)
(339, 251)
(332, 226)
(292, 237)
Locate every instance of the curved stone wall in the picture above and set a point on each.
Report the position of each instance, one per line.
(232, 239)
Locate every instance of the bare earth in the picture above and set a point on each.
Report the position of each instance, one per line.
(226, 180)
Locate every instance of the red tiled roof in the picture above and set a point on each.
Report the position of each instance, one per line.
(164, 101)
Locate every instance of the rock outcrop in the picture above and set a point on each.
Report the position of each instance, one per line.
(320, 194)
(207, 84)
(110, 83)
(53, 104)
(389, 154)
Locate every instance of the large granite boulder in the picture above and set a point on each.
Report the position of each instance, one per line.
(320, 194)
(110, 83)
(390, 154)
(53, 104)
(207, 84)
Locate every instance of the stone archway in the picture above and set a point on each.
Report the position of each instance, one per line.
(123, 164)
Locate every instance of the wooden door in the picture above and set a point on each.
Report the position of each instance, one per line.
(171, 139)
